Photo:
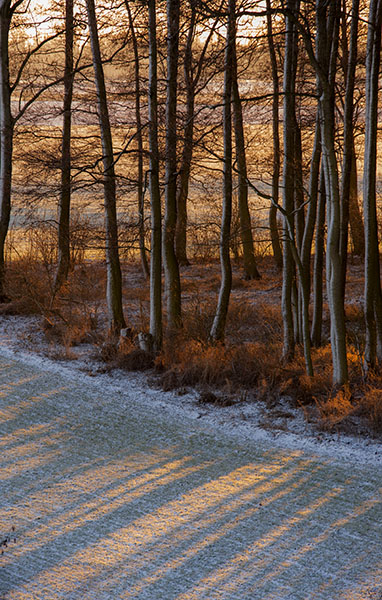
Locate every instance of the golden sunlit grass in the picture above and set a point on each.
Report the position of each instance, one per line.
(192, 362)
(335, 409)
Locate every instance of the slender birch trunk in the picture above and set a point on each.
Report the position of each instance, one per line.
(65, 192)
(275, 238)
(250, 267)
(373, 300)
(188, 147)
(218, 326)
(288, 182)
(114, 276)
(298, 184)
(327, 48)
(318, 265)
(156, 327)
(139, 138)
(171, 267)
(307, 241)
(348, 164)
(351, 214)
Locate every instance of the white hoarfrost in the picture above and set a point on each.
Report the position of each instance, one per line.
(246, 420)
(117, 490)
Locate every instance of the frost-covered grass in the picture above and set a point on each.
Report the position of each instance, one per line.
(118, 490)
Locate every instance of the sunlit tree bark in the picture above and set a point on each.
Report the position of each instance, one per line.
(171, 267)
(299, 214)
(297, 232)
(306, 246)
(288, 179)
(114, 276)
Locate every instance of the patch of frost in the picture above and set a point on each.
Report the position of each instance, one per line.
(245, 422)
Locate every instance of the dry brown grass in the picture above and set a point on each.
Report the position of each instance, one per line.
(257, 321)
(355, 409)
(250, 359)
(126, 355)
(249, 363)
(193, 362)
(370, 400)
(73, 317)
(372, 408)
(28, 287)
(334, 411)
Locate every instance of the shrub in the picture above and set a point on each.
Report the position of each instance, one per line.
(195, 362)
(372, 408)
(336, 409)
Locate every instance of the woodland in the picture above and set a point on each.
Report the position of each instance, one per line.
(193, 188)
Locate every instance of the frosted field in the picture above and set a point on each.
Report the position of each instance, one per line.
(116, 492)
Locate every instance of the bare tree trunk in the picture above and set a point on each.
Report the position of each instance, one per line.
(139, 137)
(325, 65)
(295, 299)
(318, 266)
(288, 182)
(355, 217)
(188, 146)
(350, 59)
(6, 136)
(182, 194)
(373, 298)
(250, 266)
(350, 211)
(306, 248)
(298, 184)
(171, 267)
(156, 327)
(65, 193)
(218, 326)
(114, 276)
(275, 239)
(299, 219)
(192, 74)
(327, 38)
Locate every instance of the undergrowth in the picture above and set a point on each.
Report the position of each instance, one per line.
(247, 366)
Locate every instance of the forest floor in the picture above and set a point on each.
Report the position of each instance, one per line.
(243, 382)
